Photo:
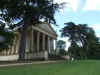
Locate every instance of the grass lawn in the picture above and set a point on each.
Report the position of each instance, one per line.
(87, 67)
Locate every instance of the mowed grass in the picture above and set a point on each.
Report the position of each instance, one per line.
(87, 67)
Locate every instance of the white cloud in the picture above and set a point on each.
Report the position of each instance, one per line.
(98, 35)
(82, 4)
(96, 27)
(92, 5)
(70, 4)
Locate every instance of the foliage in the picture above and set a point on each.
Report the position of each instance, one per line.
(84, 42)
(60, 44)
(29, 10)
(8, 38)
(62, 52)
(60, 47)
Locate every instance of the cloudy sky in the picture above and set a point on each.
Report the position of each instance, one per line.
(80, 12)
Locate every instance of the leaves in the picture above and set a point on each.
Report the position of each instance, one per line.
(82, 38)
(6, 36)
(32, 9)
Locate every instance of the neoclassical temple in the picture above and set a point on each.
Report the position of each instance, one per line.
(39, 43)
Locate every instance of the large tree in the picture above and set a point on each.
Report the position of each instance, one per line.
(81, 36)
(70, 30)
(28, 12)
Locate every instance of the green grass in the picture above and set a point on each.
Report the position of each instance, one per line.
(87, 67)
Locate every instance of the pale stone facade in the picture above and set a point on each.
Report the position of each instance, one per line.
(39, 43)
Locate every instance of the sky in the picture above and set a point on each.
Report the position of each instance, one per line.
(79, 12)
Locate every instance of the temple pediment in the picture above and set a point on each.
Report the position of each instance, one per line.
(47, 27)
(43, 27)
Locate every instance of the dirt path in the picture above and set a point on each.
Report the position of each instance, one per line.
(19, 64)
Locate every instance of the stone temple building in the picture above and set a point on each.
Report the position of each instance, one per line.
(39, 43)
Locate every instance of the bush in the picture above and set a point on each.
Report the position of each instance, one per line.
(8, 36)
(62, 52)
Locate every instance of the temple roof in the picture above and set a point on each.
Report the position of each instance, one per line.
(47, 27)
(44, 27)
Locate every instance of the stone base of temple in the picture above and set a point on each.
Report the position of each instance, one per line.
(41, 55)
(9, 58)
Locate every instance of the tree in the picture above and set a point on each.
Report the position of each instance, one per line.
(93, 47)
(29, 12)
(80, 36)
(70, 30)
(60, 46)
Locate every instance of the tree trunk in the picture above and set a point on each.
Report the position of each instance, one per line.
(23, 42)
(22, 45)
(75, 51)
(86, 49)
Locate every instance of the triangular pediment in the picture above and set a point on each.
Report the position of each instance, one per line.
(47, 27)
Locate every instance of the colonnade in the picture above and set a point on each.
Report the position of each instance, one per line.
(40, 42)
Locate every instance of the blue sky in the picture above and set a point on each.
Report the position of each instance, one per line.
(79, 12)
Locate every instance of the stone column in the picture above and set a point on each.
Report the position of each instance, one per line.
(46, 55)
(43, 42)
(38, 42)
(18, 43)
(46, 52)
(32, 41)
(52, 44)
(49, 45)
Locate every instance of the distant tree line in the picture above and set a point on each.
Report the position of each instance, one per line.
(60, 47)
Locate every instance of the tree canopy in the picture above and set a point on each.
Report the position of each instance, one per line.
(83, 39)
(32, 10)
